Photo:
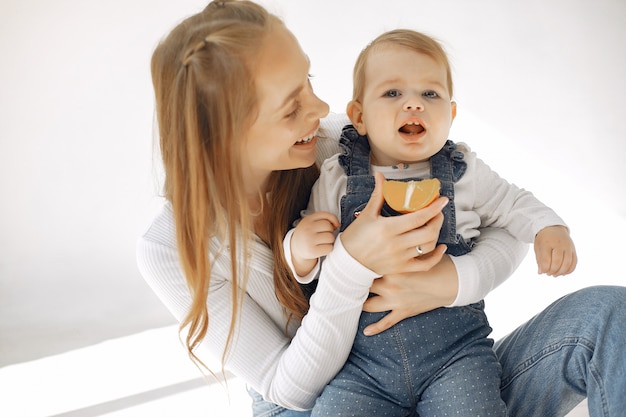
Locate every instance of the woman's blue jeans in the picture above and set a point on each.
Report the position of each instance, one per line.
(262, 408)
(573, 349)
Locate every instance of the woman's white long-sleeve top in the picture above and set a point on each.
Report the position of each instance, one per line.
(292, 369)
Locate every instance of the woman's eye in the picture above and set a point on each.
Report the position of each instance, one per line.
(295, 112)
(392, 93)
(430, 94)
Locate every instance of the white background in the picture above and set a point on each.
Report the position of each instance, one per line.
(541, 97)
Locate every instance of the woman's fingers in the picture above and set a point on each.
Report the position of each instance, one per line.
(390, 244)
(420, 218)
(387, 322)
(375, 203)
(406, 295)
(425, 237)
(427, 261)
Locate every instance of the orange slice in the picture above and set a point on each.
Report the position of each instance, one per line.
(409, 196)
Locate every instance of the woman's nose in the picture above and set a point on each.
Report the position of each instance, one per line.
(320, 108)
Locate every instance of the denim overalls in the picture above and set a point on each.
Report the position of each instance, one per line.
(447, 166)
(437, 363)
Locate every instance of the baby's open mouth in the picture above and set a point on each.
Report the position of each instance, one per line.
(412, 128)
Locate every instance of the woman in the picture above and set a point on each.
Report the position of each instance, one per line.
(237, 123)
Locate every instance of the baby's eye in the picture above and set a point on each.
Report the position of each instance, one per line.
(430, 94)
(392, 93)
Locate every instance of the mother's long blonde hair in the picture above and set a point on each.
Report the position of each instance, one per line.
(205, 102)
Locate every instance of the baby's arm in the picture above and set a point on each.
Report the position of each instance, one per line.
(555, 251)
(314, 234)
(502, 204)
(312, 238)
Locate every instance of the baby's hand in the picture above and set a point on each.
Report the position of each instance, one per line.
(555, 251)
(312, 239)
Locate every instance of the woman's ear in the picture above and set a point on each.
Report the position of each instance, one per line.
(355, 113)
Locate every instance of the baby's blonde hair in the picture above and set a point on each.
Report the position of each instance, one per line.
(206, 100)
(407, 38)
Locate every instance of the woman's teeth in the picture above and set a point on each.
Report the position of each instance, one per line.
(306, 140)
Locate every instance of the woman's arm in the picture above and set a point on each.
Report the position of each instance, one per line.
(455, 281)
(286, 371)
(291, 372)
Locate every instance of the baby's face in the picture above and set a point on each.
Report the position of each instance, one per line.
(406, 107)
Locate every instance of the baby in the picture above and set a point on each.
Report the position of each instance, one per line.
(401, 113)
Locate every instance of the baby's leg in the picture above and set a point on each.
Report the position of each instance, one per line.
(468, 386)
(346, 396)
(374, 380)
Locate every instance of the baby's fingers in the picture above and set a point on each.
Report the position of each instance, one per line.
(329, 220)
(556, 262)
(568, 264)
(544, 259)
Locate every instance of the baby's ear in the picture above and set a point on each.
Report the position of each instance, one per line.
(354, 110)
(453, 108)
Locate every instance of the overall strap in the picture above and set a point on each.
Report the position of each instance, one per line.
(355, 161)
(448, 167)
(355, 152)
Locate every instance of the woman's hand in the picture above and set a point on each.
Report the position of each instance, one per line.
(410, 294)
(388, 245)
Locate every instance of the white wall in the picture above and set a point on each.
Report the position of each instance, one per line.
(541, 97)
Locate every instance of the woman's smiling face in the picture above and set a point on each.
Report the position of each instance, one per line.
(283, 134)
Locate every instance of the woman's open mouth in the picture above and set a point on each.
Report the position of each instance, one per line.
(307, 139)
